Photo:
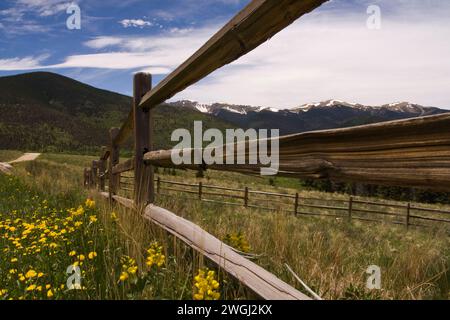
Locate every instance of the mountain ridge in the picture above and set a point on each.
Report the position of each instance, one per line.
(327, 114)
(43, 111)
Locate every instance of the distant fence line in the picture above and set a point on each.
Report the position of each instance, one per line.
(352, 208)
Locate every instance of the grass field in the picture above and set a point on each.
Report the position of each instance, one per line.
(330, 255)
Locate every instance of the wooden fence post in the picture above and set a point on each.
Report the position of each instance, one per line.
(350, 209)
(246, 197)
(113, 160)
(296, 204)
(408, 215)
(144, 185)
(102, 170)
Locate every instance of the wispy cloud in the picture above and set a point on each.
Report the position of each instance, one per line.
(43, 7)
(136, 23)
(158, 54)
(26, 63)
(23, 16)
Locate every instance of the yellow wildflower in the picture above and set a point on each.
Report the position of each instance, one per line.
(90, 204)
(31, 288)
(92, 255)
(30, 274)
(123, 276)
(155, 256)
(206, 286)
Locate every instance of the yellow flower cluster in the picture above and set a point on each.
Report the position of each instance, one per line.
(206, 285)
(238, 241)
(129, 269)
(37, 240)
(155, 255)
(90, 203)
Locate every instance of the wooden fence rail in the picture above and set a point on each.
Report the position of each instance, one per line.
(409, 153)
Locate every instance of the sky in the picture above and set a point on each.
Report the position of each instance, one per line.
(372, 52)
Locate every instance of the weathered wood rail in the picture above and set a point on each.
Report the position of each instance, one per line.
(408, 153)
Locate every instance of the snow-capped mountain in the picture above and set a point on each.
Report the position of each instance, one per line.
(405, 107)
(216, 108)
(312, 116)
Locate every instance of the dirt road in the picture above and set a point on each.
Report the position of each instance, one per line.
(7, 168)
(26, 157)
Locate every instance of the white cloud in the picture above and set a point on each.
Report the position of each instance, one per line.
(172, 41)
(42, 7)
(137, 23)
(26, 63)
(23, 16)
(158, 54)
(118, 60)
(103, 42)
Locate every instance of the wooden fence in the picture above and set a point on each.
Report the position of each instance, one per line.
(349, 209)
(255, 24)
(409, 153)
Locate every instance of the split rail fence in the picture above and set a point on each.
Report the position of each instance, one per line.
(414, 152)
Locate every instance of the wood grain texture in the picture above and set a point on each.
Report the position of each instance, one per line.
(114, 159)
(251, 27)
(408, 153)
(144, 192)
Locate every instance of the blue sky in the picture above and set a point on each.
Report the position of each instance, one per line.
(328, 54)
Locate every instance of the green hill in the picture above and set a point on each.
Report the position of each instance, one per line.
(44, 111)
